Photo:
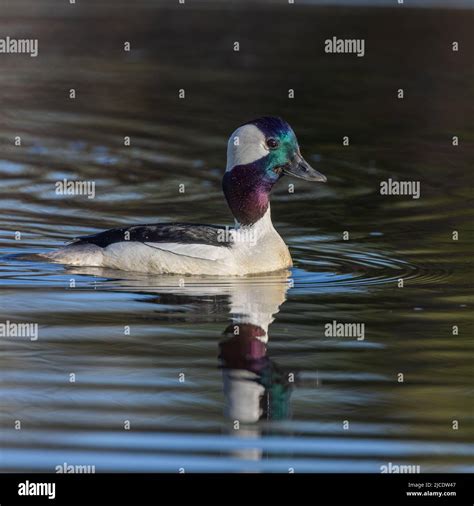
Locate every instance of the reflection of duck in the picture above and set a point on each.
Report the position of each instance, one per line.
(254, 386)
(259, 153)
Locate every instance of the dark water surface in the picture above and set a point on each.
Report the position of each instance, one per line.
(180, 376)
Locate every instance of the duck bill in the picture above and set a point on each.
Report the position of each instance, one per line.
(299, 167)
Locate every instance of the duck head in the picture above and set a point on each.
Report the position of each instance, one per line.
(259, 153)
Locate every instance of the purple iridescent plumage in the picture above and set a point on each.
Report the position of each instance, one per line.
(247, 190)
(271, 126)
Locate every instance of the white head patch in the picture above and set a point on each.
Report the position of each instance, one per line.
(245, 145)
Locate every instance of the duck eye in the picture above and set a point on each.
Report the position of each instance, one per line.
(272, 143)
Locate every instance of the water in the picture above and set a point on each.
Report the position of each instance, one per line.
(160, 354)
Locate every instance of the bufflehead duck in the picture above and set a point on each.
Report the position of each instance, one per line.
(259, 153)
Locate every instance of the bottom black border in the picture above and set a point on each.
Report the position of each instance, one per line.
(241, 489)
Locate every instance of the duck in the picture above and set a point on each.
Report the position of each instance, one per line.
(259, 154)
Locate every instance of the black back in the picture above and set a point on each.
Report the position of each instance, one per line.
(184, 233)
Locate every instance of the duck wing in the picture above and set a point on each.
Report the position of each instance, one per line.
(208, 242)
